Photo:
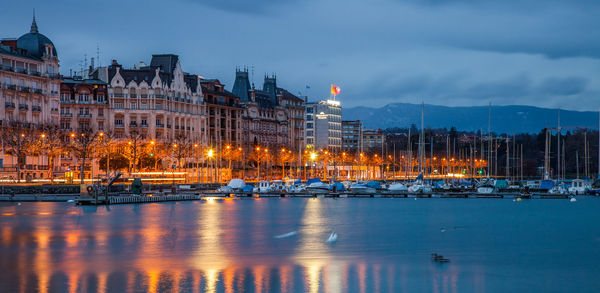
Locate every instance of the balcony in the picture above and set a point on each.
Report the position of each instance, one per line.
(143, 96)
(161, 97)
(6, 68)
(35, 73)
(118, 95)
(133, 124)
(84, 115)
(36, 108)
(9, 105)
(11, 87)
(133, 96)
(53, 75)
(66, 115)
(23, 107)
(144, 125)
(38, 91)
(21, 70)
(168, 125)
(25, 89)
(119, 125)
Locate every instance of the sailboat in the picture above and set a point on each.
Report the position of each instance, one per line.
(419, 185)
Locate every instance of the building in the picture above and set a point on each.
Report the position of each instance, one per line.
(373, 141)
(29, 95)
(272, 117)
(224, 114)
(351, 136)
(83, 104)
(159, 101)
(324, 125)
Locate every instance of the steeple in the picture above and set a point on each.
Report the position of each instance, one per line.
(34, 28)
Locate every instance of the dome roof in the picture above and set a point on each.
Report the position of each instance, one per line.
(34, 42)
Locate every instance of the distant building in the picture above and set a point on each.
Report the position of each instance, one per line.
(323, 126)
(351, 135)
(272, 117)
(373, 140)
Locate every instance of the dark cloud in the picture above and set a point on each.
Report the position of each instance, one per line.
(245, 6)
(566, 86)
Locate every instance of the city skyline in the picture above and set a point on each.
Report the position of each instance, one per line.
(535, 57)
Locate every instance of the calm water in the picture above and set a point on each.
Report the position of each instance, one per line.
(384, 245)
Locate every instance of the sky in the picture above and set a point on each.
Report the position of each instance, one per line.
(447, 52)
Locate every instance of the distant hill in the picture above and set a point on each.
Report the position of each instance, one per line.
(505, 119)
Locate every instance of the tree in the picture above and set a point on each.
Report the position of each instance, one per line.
(181, 148)
(18, 141)
(51, 144)
(117, 162)
(134, 146)
(83, 144)
(106, 140)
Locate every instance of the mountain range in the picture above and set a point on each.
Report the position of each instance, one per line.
(504, 119)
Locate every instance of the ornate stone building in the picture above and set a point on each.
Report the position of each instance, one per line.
(272, 117)
(29, 94)
(159, 101)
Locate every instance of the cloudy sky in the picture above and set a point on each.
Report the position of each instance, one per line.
(445, 52)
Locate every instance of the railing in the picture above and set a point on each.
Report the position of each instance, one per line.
(160, 125)
(11, 87)
(119, 125)
(7, 68)
(84, 115)
(25, 89)
(66, 115)
(118, 95)
(36, 108)
(53, 75)
(143, 96)
(35, 73)
(23, 107)
(162, 97)
(9, 105)
(133, 124)
(168, 125)
(21, 70)
(38, 91)
(144, 125)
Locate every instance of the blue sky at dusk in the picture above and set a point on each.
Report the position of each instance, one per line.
(447, 52)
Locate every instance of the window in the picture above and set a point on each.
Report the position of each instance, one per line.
(309, 125)
(144, 122)
(119, 121)
(100, 125)
(100, 112)
(100, 98)
(84, 97)
(309, 110)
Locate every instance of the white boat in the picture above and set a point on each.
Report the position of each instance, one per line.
(578, 187)
(419, 187)
(278, 186)
(236, 184)
(263, 186)
(318, 187)
(558, 189)
(397, 187)
(361, 188)
(485, 189)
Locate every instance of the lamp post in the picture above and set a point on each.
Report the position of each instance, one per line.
(153, 144)
(258, 163)
(210, 154)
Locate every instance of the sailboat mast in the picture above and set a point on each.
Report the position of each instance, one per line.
(489, 139)
(422, 137)
(558, 149)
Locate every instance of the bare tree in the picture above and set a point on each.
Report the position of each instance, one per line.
(83, 144)
(51, 144)
(18, 141)
(106, 140)
(135, 145)
(182, 148)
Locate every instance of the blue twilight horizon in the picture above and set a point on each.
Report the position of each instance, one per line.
(446, 52)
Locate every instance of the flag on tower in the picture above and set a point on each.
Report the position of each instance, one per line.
(335, 90)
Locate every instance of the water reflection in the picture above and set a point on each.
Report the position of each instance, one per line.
(230, 246)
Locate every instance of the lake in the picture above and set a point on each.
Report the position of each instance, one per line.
(279, 245)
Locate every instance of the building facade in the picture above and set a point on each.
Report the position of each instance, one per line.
(323, 125)
(224, 115)
(373, 140)
(351, 135)
(272, 117)
(83, 104)
(29, 95)
(159, 101)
